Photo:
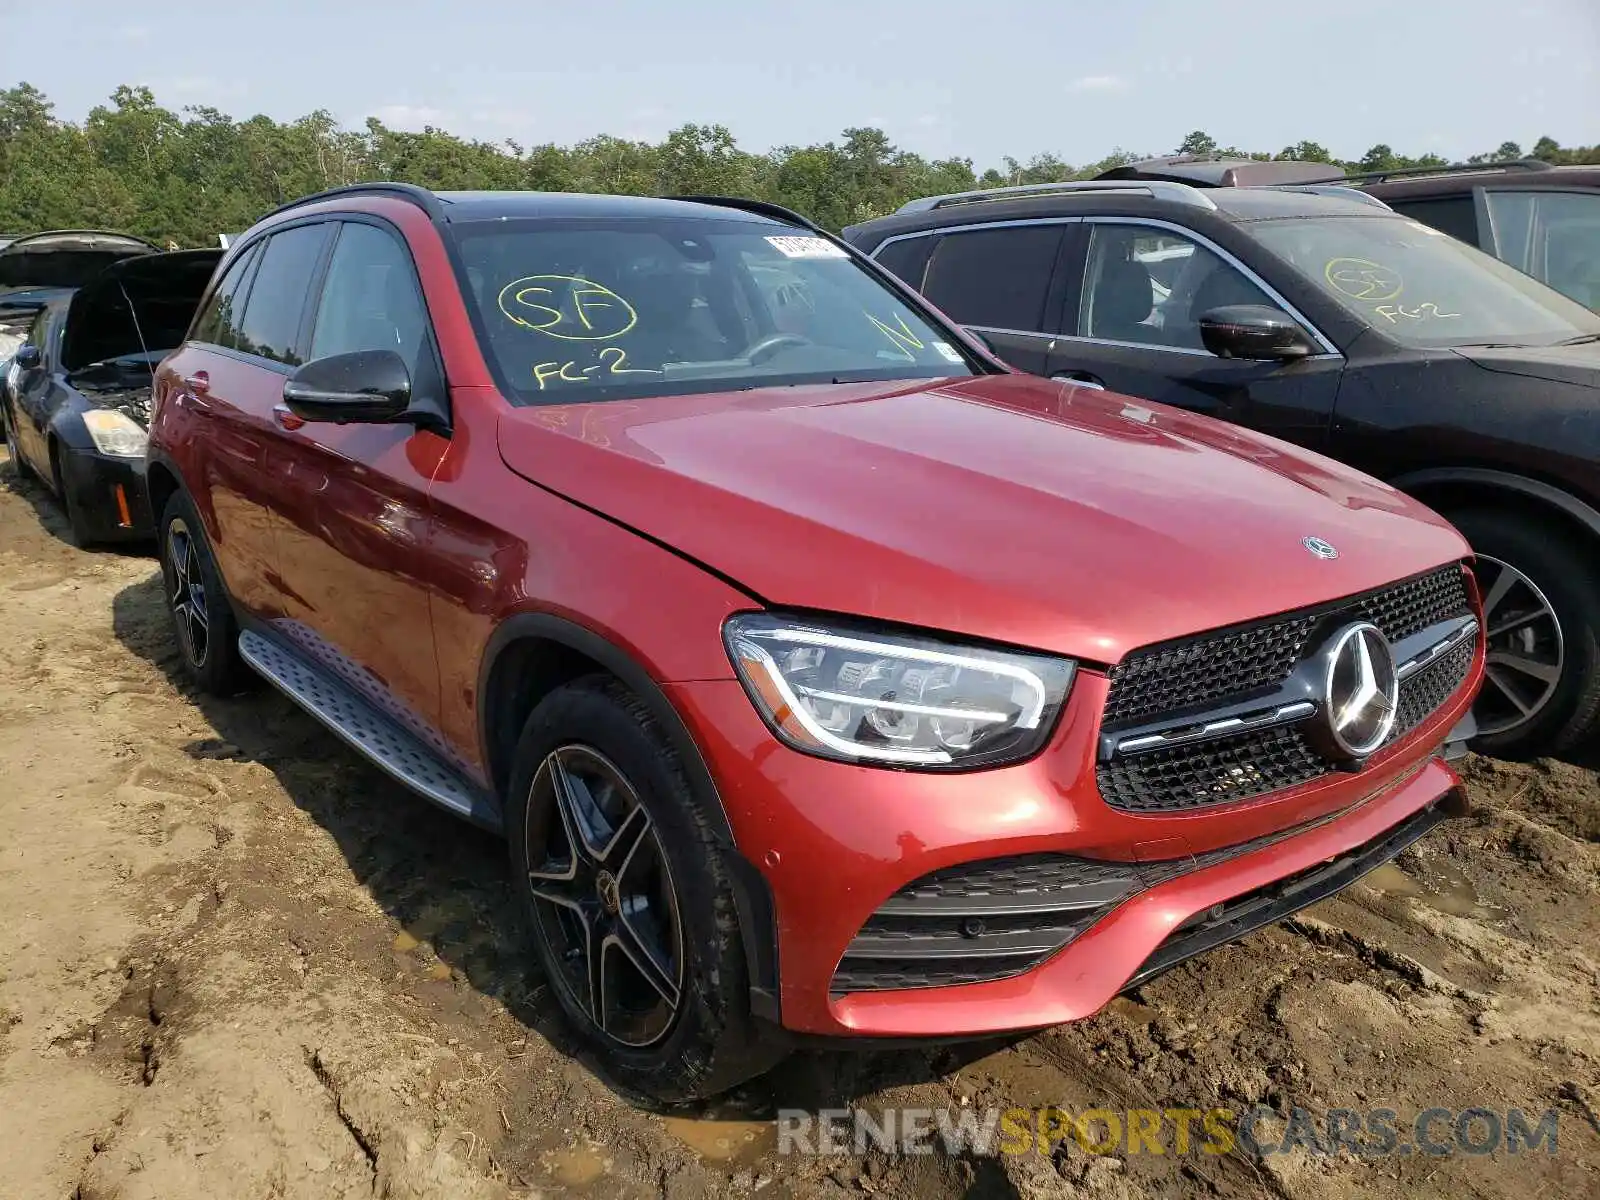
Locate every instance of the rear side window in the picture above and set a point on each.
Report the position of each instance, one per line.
(218, 321)
(276, 305)
(907, 258)
(1454, 215)
(997, 278)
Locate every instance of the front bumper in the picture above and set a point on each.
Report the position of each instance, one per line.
(833, 842)
(109, 495)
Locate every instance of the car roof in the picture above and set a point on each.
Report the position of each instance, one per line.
(1456, 181)
(486, 206)
(1170, 201)
(451, 207)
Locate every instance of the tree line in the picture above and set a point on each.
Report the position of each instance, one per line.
(186, 176)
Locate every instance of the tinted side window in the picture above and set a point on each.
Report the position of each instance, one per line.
(1453, 215)
(217, 320)
(277, 300)
(370, 299)
(995, 277)
(907, 258)
(1150, 286)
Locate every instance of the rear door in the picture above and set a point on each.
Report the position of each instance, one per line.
(353, 498)
(1132, 326)
(1003, 281)
(226, 381)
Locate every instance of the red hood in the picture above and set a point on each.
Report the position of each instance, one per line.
(1006, 507)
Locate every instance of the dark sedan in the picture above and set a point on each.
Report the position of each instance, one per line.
(76, 402)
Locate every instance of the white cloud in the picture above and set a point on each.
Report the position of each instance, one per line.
(927, 120)
(1099, 83)
(410, 116)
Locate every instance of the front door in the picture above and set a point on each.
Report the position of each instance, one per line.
(1135, 329)
(32, 396)
(352, 499)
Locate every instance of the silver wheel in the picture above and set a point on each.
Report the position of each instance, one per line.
(1525, 650)
(186, 592)
(604, 901)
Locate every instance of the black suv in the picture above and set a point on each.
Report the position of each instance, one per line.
(1540, 218)
(1316, 313)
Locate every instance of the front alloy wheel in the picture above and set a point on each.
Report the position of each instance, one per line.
(1525, 650)
(604, 901)
(628, 892)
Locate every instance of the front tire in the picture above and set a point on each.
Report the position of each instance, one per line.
(19, 467)
(628, 898)
(202, 616)
(1541, 593)
(78, 531)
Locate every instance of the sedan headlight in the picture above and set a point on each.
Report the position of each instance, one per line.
(114, 433)
(864, 696)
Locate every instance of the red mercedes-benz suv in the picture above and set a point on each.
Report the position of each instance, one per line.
(824, 675)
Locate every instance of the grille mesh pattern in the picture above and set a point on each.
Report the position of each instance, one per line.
(1222, 771)
(1203, 669)
(1021, 875)
(890, 974)
(1432, 686)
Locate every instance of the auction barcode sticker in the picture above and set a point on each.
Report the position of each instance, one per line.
(806, 247)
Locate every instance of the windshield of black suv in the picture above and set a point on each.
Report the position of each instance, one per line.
(578, 310)
(1421, 287)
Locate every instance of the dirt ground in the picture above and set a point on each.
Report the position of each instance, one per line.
(235, 962)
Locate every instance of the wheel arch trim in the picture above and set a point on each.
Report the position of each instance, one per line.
(752, 896)
(1534, 489)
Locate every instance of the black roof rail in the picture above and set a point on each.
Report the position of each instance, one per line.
(760, 208)
(420, 196)
(1510, 164)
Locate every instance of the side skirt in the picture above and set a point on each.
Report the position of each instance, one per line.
(367, 730)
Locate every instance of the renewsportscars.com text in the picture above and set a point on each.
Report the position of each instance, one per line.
(1366, 1133)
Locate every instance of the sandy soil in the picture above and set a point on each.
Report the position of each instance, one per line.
(236, 962)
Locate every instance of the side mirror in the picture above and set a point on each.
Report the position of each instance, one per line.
(1253, 331)
(27, 357)
(366, 386)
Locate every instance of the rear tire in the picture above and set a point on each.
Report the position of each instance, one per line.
(635, 927)
(1542, 610)
(202, 615)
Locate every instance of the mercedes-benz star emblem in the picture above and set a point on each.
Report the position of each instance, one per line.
(1320, 548)
(1361, 691)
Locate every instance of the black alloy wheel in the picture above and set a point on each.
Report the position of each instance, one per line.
(603, 896)
(202, 615)
(186, 594)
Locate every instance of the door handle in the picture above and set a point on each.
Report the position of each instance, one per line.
(286, 418)
(1081, 378)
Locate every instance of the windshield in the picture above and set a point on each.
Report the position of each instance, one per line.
(1421, 287)
(596, 310)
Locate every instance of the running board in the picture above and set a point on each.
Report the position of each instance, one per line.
(375, 735)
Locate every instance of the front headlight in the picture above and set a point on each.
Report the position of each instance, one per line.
(863, 696)
(114, 433)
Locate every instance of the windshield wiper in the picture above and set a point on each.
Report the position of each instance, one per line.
(1580, 339)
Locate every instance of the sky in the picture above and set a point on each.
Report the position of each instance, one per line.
(942, 77)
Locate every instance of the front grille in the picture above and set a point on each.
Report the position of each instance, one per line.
(1177, 676)
(1233, 664)
(1430, 687)
(1219, 771)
